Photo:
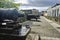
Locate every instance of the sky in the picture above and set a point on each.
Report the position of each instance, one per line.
(37, 4)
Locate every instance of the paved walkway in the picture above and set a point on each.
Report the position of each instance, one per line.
(55, 25)
(45, 30)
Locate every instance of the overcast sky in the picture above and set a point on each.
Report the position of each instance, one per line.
(37, 4)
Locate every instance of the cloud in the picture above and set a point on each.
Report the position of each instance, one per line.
(37, 4)
(41, 3)
(30, 7)
(22, 1)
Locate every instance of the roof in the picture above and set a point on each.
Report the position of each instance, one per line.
(55, 5)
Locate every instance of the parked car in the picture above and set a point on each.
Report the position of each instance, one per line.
(13, 25)
(32, 16)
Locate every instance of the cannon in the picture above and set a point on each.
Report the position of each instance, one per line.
(13, 25)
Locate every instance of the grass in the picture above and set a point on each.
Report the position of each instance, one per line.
(55, 19)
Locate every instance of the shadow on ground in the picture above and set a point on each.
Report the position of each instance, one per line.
(36, 25)
(35, 20)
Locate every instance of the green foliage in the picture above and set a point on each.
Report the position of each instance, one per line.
(4, 0)
(8, 4)
(55, 19)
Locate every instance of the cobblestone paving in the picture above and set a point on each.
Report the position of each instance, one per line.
(46, 31)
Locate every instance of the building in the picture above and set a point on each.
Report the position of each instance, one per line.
(44, 13)
(54, 11)
(27, 11)
(34, 11)
(31, 11)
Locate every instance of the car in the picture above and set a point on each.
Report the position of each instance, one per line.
(13, 25)
(32, 16)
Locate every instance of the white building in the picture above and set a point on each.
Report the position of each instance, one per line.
(54, 10)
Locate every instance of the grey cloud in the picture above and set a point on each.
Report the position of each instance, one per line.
(40, 3)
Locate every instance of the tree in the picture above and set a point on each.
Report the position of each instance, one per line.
(8, 4)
